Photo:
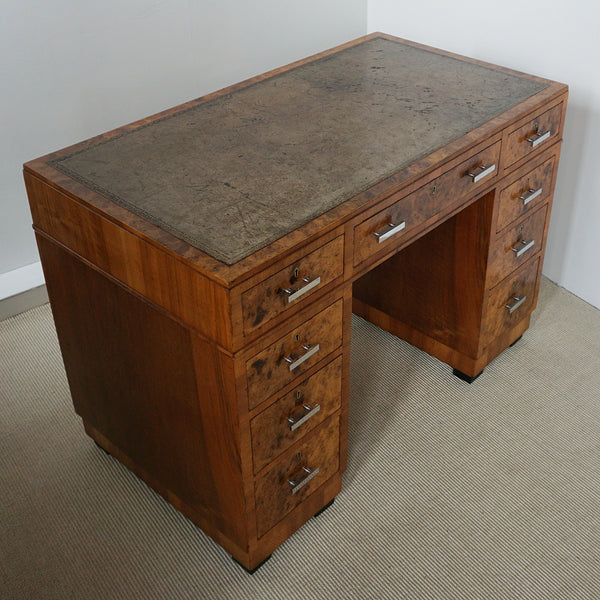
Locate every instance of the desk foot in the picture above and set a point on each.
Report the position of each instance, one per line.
(324, 508)
(516, 340)
(256, 568)
(465, 377)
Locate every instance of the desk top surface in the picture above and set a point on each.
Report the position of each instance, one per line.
(231, 174)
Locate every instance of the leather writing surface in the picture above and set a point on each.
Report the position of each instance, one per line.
(235, 173)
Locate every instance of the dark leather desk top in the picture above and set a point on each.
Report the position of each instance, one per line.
(232, 174)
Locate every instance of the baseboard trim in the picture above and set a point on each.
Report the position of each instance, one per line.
(21, 290)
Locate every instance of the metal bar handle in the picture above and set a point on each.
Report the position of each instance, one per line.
(530, 195)
(301, 478)
(295, 361)
(537, 138)
(521, 248)
(483, 172)
(294, 294)
(388, 231)
(516, 304)
(308, 411)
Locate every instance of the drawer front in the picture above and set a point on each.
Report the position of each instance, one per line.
(295, 414)
(516, 246)
(538, 133)
(293, 354)
(296, 282)
(511, 300)
(297, 474)
(391, 226)
(524, 194)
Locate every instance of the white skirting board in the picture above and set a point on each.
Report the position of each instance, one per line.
(22, 289)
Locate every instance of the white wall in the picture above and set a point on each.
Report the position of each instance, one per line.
(70, 69)
(557, 40)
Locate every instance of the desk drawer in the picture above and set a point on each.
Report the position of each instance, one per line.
(295, 414)
(538, 133)
(525, 193)
(293, 354)
(297, 474)
(403, 219)
(516, 246)
(296, 282)
(511, 300)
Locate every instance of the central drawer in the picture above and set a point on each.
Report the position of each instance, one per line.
(297, 474)
(293, 354)
(403, 219)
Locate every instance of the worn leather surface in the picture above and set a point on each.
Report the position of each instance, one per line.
(233, 174)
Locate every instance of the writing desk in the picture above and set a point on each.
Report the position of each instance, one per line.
(202, 264)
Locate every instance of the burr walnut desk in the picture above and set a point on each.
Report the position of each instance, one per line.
(203, 264)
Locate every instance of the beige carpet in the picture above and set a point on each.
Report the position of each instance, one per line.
(453, 491)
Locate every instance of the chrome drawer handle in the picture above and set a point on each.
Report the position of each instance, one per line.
(293, 294)
(516, 304)
(295, 361)
(537, 138)
(388, 231)
(530, 195)
(307, 412)
(521, 248)
(483, 172)
(300, 479)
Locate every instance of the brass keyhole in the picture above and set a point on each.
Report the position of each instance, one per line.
(297, 337)
(536, 126)
(434, 189)
(298, 394)
(296, 272)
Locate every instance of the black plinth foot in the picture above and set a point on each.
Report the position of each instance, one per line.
(516, 340)
(256, 568)
(465, 377)
(319, 512)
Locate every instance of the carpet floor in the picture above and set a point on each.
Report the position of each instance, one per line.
(453, 491)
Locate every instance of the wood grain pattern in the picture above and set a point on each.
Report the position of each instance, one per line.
(162, 279)
(294, 519)
(522, 284)
(271, 432)
(518, 146)
(152, 389)
(268, 371)
(268, 299)
(503, 259)
(510, 204)
(274, 497)
(442, 193)
(436, 284)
